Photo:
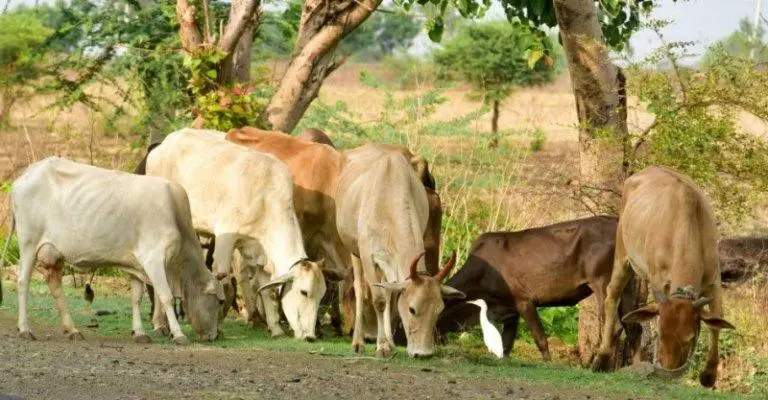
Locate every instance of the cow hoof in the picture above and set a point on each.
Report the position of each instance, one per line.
(142, 339)
(358, 348)
(384, 351)
(163, 331)
(707, 378)
(27, 335)
(276, 333)
(181, 340)
(601, 363)
(76, 336)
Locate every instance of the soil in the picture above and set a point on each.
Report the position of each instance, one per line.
(104, 368)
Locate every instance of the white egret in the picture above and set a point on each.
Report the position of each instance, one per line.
(491, 335)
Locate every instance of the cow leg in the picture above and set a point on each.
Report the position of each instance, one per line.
(159, 320)
(26, 266)
(222, 255)
(157, 277)
(151, 295)
(53, 270)
(708, 375)
(531, 317)
(509, 334)
(137, 292)
(271, 306)
(381, 303)
(358, 342)
(619, 278)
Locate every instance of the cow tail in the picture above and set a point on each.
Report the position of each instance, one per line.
(5, 252)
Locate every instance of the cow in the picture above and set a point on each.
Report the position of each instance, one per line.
(431, 235)
(382, 213)
(667, 235)
(90, 217)
(516, 272)
(315, 169)
(245, 200)
(317, 136)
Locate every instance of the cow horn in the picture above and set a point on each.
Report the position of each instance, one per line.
(446, 268)
(701, 302)
(414, 270)
(659, 295)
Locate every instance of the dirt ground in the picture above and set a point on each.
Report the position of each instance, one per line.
(55, 368)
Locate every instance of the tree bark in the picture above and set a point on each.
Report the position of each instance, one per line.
(323, 25)
(597, 88)
(495, 125)
(236, 67)
(601, 109)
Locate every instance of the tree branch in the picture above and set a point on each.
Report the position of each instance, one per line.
(207, 16)
(188, 32)
(236, 26)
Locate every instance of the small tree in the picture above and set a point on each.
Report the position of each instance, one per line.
(494, 59)
(20, 32)
(748, 41)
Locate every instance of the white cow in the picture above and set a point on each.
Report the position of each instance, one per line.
(91, 217)
(245, 199)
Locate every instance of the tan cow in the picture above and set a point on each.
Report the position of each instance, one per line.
(667, 234)
(382, 213)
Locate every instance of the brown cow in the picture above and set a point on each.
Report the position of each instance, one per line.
(516, 272)
(667, 235)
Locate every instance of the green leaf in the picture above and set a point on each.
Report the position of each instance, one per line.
(211, 73)
(436, 30)
(533, 57)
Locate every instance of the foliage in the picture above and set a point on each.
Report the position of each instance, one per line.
(619, 18)
(492, 58)
(381, 35)
(741, 43)
(277, 32)
(21, 32)
(537, 143)
(696, 127)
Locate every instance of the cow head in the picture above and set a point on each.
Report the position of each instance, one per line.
(679, 322)
(302, 289)
(204, 309)
(419, 303)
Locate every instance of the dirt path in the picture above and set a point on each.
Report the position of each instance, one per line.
(55, 368)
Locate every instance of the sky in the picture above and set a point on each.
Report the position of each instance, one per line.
(701, 21)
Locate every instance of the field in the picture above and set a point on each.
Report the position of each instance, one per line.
(526, 181)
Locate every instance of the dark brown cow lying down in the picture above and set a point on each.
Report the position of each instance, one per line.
(516, 272)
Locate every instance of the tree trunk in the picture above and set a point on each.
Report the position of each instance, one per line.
(601, 109)
(494, 125)
(597, 89)
(237, 66)
(323, 25)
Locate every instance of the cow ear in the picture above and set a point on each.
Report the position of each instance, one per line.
(214, 287)
(451, 293)
(642, 314)
(716, 322)
(394, 287)
(279, 281)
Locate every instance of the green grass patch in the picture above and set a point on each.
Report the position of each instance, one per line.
(462, 355)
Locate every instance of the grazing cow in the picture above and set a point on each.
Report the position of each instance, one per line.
(245, 200)
(667, 235)
(382, 213)
(516, 272)
(315, 169)
(91, 217)
(317, 136)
